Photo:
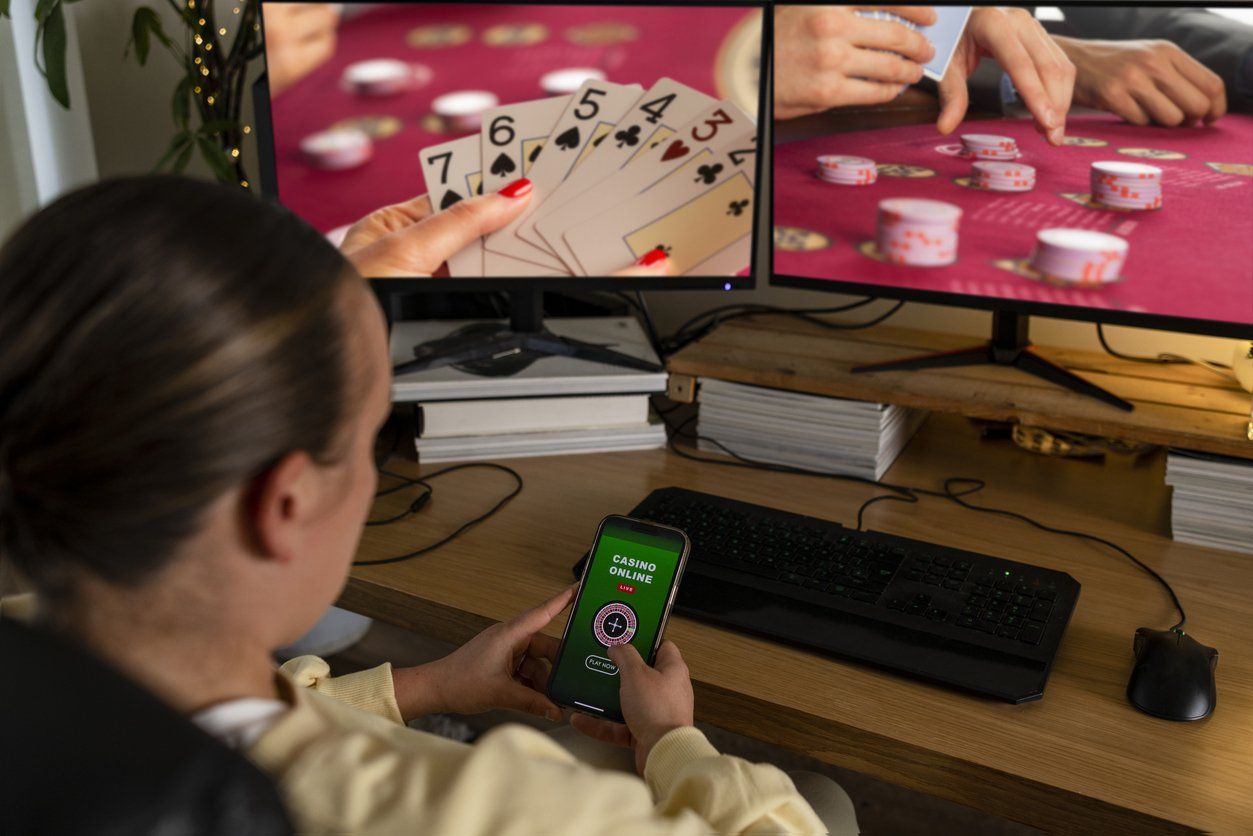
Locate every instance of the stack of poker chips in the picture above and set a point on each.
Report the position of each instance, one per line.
(847, 171)
(1002, 177)
(1078, 257)
(337, 149)
(989, 147)
(1122, 185)
(919, 233)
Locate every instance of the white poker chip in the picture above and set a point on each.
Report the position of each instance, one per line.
(844, 161)
(989, 140)
(565, 81)
(337, 149)
(1127, 171)
(1081, 240)
(919, 211)
(378, 77)
(463, 110)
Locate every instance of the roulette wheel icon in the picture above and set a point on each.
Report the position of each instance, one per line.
(614, 624)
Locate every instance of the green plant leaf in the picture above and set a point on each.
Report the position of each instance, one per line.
(181, 140)
(53, 42)
(181, 103)
(216, 158)
(4, 8)
(183, 159)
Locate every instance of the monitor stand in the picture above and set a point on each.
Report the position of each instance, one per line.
(496, 349)
(1009, 346)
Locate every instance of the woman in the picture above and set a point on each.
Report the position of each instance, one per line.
(191, 381)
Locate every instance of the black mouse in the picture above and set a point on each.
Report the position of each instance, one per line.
(1174, 675)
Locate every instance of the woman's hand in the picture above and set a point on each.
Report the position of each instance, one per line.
(654, 700)
(829, 56)
(407, 240)
(1039, 69)
(505, 666)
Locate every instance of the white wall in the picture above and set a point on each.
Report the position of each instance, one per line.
(130, 117)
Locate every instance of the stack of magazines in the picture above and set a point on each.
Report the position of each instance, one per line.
(1211, 500)
(551, 406)
(816, 432)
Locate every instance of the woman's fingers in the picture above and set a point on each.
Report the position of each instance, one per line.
(603, 730)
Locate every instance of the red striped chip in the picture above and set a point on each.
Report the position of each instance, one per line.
(1079, 256)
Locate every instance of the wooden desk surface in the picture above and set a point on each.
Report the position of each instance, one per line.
(1080, 760)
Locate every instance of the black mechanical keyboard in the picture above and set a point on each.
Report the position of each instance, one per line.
(971, 621)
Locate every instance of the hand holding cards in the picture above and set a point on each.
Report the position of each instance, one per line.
(673, 164)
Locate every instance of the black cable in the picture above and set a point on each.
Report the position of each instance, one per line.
(902, 493)
(650, 327)
(1165, 358)
(724, 313)
(409, 481)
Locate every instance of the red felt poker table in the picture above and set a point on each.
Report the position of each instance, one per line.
(503, 49)
(1192, 258)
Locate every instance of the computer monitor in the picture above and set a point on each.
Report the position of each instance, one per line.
(1152, 225)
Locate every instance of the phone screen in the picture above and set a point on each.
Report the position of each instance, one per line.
(623, 598)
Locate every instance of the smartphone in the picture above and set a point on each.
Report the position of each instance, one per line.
(626, 593)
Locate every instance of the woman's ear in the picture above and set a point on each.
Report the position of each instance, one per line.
(278, 505)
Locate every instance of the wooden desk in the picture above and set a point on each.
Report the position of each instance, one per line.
(1080, 760)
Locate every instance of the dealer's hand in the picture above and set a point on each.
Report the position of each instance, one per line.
(1040, 70)
(654, 700)
(1145, 82)
(406, 240)
(828, 56)
(505, 666)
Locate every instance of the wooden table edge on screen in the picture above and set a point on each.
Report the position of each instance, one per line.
(1176, 405)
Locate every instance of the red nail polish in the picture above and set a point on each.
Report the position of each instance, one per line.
(651, 257)
(517, 188)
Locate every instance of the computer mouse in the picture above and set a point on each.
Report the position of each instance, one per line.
(1173, 676)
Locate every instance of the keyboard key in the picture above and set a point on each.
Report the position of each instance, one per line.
(964, 565)
(943, 560)
(1040, 612)
(936, 614)
(1006, 584)
(1012, 621)
(897, 604)
(1018, 612)
(916, 608)
(814, 583)
(1031, 634)
(966, 621)
(1046, 594)
(1007, 632)
(952, 584)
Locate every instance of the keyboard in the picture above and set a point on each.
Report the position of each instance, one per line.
(971, 621)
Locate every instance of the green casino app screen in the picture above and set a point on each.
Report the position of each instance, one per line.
(623, 599)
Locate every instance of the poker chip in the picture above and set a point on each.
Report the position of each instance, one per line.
(1078, 256)
(1123, 185)
(564, 82)
(384, 77)
(1002, 177)
(919, 233)
(337, 149)
(990, 147)
(847, 171)
(463, 110)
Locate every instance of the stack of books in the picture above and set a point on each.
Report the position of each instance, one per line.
(816, 432)
(1211, 501)
(553, 406)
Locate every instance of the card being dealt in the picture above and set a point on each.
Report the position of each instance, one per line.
(944, 35)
